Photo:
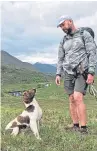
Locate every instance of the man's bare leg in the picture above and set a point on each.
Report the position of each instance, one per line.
(78, 97)
(73, 110)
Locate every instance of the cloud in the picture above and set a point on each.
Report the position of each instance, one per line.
(30, 27)
(50, 56)
(39, 57)
(88, 21)
(92, 20)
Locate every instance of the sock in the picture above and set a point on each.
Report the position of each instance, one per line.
(76, 124)
(84, 127)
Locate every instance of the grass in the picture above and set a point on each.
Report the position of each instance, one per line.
(13, 75)
(55, 106)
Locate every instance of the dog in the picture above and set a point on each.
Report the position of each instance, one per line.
(30, 117)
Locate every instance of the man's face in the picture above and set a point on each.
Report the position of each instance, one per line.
(66, 26)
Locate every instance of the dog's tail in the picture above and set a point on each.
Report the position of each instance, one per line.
(9, 125)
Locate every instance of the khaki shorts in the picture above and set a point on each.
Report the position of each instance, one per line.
(77, 84)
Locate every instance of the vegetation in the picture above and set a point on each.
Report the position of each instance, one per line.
(12, 75)
(17, 75)
(54, 103)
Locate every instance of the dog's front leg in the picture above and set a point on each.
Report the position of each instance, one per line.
(38, 123)
(34, 128)
(15, 131)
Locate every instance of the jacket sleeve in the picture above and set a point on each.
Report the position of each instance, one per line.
(91, 49)
(61, 55)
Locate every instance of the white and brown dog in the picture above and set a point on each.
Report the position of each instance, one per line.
(30, 117)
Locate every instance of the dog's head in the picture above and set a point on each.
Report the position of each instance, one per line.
(29, 95)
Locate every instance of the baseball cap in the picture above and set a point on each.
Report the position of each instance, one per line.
(62, 19)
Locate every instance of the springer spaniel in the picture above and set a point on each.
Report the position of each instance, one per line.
(30, 117)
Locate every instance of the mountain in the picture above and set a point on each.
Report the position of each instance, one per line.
(15, 71)
(55, 65)
(9, 60)
(45, 68)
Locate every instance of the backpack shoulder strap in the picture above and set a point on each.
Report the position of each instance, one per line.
(64, 39)
(82, 35)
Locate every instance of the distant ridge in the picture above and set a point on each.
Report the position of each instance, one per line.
(45, 68)
(7, 59)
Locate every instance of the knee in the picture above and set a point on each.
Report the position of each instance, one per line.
(78, 97)
(71, 99)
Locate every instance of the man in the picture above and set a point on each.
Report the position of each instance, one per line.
(77, 60)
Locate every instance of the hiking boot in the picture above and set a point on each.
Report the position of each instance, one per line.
(83, 131)
(73, 128)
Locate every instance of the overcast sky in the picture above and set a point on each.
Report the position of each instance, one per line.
(29, 32)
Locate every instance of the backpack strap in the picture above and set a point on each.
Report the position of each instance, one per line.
(63, 41)
(81, 33)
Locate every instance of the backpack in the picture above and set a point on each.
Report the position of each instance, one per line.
(88, 29)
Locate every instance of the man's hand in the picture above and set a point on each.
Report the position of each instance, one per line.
(90, 79)
(57, 80)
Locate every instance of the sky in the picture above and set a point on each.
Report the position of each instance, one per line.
(29, 29)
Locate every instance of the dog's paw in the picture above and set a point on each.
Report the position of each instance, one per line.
(39, 138)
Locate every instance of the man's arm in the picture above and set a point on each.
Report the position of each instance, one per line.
(91, 49)
(61, 55)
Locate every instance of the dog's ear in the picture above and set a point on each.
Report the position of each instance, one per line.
(34, 90)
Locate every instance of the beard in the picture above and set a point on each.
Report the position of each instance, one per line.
(67, 31)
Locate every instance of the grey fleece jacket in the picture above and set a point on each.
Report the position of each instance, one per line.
(73, 51)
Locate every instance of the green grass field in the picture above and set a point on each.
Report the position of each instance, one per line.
(54, 103)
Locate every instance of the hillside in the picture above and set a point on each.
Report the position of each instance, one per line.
(13, 62)
(45, 68)
(9, 60)
(13, 75)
